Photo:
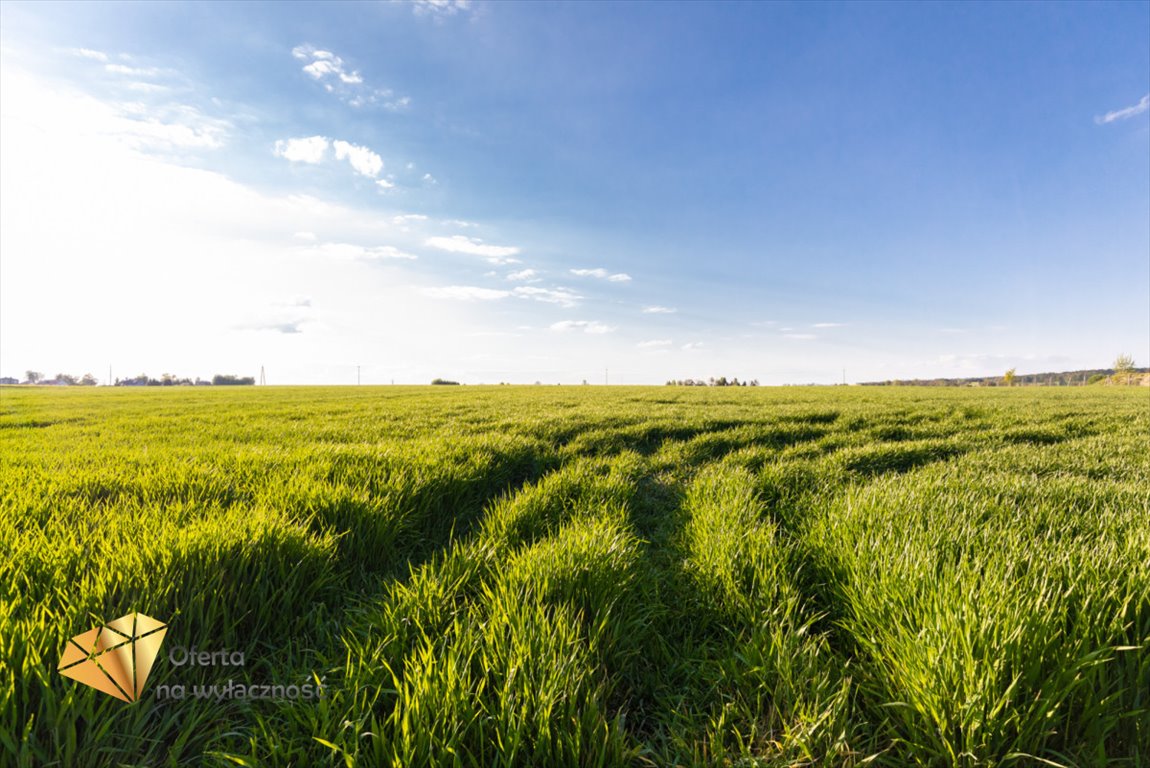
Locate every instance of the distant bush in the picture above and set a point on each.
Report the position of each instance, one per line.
(445, 382)
(221, 380)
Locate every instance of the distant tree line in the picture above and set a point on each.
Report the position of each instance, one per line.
(1012, 379)
(143, 380)
(168, 380)
(61, 379)
(722, 381)
(446, 382)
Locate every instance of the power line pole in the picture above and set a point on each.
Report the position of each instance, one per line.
(357, 382)
(606, 379)
(263, 379)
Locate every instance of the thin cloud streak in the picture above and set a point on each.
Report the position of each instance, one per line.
(1121, 114)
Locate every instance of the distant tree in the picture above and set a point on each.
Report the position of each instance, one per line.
(88, 380)
(64, 378)
(224, 380)
(1008, 378)
(33, 377)
(1123, 368)
(1096, 378)
(445, 382)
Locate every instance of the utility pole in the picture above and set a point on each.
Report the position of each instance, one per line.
(109, 375)
(357, 375)
(606, 379)
(263, 379)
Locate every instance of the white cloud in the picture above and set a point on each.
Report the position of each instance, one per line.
(304, 236)
(1121, 114)
(289, 326)
(362, 160)
(693, 345)
(408, 218)
(496, 254)
(153, 126)
(465, 293)
(348, 84)
(385, 184)
(351, 252)
(143, 87)
(560, 296)
(88, 53)
(322, 64)
(587, 326)
(529, 275)
(654, 344)
(310, 150)
(440, 8)
(657, 310)
(120, 69)
(828, 325)
(602, 274)
(800, 336)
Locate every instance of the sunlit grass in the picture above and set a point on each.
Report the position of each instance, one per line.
(585, 576)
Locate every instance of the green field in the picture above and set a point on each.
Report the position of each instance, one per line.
(570, 576)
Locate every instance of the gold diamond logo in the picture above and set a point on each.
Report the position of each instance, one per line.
(117, 657)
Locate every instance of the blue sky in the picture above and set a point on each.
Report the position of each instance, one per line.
(519, 192)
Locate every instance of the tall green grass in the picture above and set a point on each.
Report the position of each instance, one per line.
(585, 576)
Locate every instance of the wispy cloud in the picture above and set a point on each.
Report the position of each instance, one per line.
(524, 275)
(602, 274)
(408, 218)
(496, 254)
(560, 296)
(338, 79)
(440, 8)
(654, 344)
(289, 327)
(351, 252)
(800, 336)
(123, 69)
(586, 326)
(88, 53)
(693, 345)
(1121, 114)
(657, 310)
(362, 160)
(466, 293)
(828, 325)
(170, 127)
(310, 150)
